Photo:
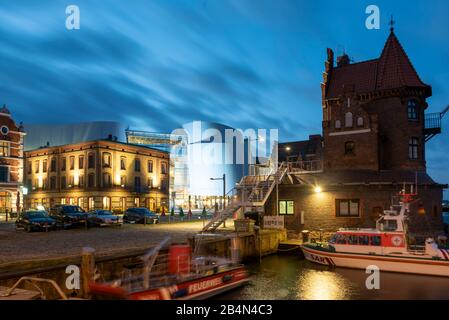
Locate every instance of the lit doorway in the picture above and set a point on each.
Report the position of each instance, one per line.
(5, 204)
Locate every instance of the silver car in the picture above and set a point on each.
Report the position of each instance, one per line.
(103, 218)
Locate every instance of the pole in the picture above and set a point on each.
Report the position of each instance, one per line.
(87, 269)
(224, 190)
(224, 197)
(277, 194)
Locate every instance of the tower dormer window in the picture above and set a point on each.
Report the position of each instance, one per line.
(348, 120)
(360, 121)
(412, 109)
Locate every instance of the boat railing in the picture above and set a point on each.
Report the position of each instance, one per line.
(138, 276)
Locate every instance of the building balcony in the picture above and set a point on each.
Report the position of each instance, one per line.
(432, 125)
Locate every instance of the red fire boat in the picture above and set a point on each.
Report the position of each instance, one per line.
(178, 275)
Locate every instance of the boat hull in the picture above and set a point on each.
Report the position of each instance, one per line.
(405, 264)
(195, 289)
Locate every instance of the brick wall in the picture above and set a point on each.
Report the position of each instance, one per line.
(319, 209)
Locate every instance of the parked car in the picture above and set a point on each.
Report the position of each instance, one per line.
(34, 221)
(69, 215)
(140, 215)
(102, 218)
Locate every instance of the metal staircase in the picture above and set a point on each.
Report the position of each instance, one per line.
(250, 192)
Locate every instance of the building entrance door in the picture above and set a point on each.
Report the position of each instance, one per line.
(5, 205)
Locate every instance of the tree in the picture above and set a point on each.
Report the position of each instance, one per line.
(172, 212)
(181, 212)
(203, 214)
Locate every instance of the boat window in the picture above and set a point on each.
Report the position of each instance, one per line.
(375, 240)
(390, 225)
(353, 239)
(341, 239)
(364, 240)
(334, 239)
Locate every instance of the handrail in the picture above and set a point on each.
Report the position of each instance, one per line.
(10, 291)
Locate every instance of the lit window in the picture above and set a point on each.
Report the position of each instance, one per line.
(4, 149)
(36, 166)
(81, 162)
(347, 208)
(286, 207)
(44, 165)
(106, 203)
(106, 159)
(163, 167)
(91, 203)
(122, 163)
(150, 166)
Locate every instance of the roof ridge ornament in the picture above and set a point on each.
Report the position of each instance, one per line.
(391, 24)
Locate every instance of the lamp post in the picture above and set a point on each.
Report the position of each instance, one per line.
(224, 187)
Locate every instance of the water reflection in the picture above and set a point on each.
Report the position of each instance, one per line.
(322, 285)
(288, 277)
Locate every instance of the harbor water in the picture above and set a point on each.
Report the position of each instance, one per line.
(290, 277)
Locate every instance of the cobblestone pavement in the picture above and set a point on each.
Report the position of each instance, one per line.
(19, 245)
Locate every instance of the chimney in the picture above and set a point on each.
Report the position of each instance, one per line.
(109, 136)
(343, 60)
(330, 60)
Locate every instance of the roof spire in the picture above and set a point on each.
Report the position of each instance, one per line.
(391, 23)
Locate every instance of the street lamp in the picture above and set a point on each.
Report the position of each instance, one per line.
(224, 192)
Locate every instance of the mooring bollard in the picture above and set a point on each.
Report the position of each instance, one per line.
(235, 249)
(87, 269)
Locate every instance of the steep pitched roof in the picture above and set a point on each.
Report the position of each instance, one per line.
(392, 69)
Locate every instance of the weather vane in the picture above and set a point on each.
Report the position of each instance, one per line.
(391, 24)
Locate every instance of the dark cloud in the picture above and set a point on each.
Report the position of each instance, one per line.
(158, 64)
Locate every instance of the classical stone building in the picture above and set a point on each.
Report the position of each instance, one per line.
(11, 164)
(101, 174)
(373, 143)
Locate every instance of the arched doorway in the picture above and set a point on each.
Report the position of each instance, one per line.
(5, 204)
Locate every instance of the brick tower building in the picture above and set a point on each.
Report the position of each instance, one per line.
(373, 144)
(11, 164)
(373, 112)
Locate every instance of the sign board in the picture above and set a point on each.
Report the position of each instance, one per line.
(273, 222)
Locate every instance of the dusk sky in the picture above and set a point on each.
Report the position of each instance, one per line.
(154, 65)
